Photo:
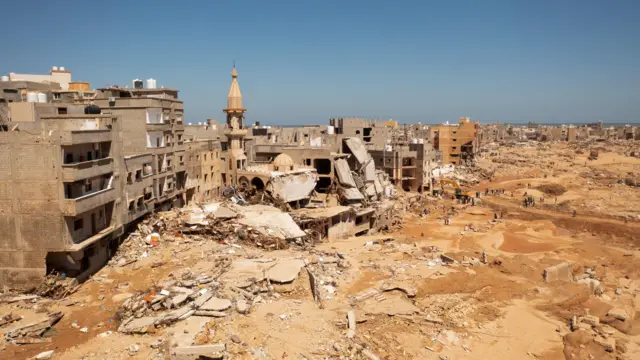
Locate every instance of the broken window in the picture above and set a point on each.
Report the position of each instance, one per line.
(78, 224)
(140, 202)
(68, 158)
(129, 178)
(131, 203)
(322, 165)
(87, 186)
(138, 174)
(62, 111)
(89, 155)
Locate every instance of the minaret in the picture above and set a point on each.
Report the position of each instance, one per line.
(235, 131)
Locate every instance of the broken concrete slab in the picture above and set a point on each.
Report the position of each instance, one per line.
(344, 173)
(210, 313)
(618, 313)
(270, 221)
(609, 344)
(138, 326)
(557, 272)
(198, 352)
(591, 320)
(285, 271)
(593, 284)
(216, 304)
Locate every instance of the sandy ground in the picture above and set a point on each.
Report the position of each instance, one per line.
(469, 310)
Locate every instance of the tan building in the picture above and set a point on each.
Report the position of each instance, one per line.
(153, 146)
(204, 165)
(79, 174)
(59, 195)
(458, 143)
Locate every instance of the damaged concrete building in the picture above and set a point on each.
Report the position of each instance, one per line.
(459, 142)
(79, 174)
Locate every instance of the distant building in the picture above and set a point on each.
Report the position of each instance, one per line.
(458, 142)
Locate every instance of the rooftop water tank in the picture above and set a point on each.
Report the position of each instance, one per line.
(61, 68)
(137, 84)
(54, 68)
(42, 97)
(330, 129)
(4, 78)
(32, 96)
(151, 83)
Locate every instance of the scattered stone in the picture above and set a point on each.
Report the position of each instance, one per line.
(618, 291)
(84, 330)
(242, 306)
(236, 339)
(133, 349)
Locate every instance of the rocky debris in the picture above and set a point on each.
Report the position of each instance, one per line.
(32, 333)
(13, 299)
(57, 286)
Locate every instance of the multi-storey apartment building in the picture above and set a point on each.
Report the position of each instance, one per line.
(153, 146)
(82, 165)
(458, 142)
(59, 194)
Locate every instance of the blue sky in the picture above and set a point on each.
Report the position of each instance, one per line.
(305, 61)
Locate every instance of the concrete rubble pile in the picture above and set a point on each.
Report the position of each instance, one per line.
(358, 180)
(261, 225)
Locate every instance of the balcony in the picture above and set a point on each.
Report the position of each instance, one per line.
(86, 169)
(86, 136)
(108, 231)
(73, 207)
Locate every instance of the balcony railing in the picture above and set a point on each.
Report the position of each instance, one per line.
(73, 207)
(86, 169)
